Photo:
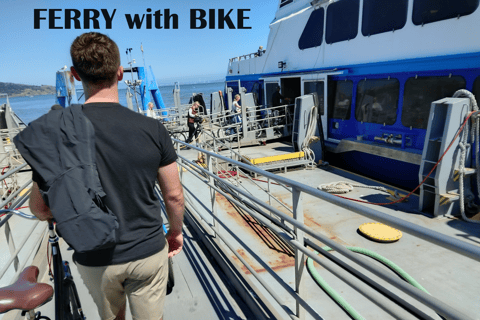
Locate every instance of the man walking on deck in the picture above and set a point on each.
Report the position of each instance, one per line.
(132, 152)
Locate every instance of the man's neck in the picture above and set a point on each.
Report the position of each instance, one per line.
(104, 94)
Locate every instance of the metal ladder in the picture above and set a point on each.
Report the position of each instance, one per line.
(439, 194)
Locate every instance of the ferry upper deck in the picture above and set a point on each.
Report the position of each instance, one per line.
(316, 36)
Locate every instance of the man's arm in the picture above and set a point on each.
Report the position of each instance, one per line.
(38, 206)
(172, 192)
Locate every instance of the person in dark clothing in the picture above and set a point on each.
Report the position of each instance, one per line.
(192, 114)
(132, 152)
(260, 51)
(277, 98)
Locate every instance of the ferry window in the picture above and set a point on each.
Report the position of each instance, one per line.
(285, 2)
(421, 92)
(342, 21)
(340, 99)
(476, 89)
(270, 89)
(383, 16)
(377, 101)
(312, 35)
(319, 88)
(256, 93)
(427, 11)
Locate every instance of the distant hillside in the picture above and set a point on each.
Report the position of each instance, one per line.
(22, 90)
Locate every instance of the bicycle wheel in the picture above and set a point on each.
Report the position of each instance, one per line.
(258, 130)
(179, 136)
(171, 278)
(220, 133)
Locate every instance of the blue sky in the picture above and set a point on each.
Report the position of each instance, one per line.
(32, 56)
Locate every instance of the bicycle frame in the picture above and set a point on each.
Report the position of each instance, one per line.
(64, 286)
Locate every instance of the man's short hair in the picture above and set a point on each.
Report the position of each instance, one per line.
(96, 58)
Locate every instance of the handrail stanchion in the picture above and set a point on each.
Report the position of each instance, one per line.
(299, 255)
(212, 193)
(11, 245)
(238, 139)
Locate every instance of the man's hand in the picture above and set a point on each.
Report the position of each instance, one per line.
(172, 192)
(38, 206)
(175, 243)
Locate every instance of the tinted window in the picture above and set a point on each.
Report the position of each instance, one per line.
(383, 16)
(342, 21)
(426, 11)
(270, 89)
(476, 89)
(285, 2)
(312, 35)
(377, 101)
(419, 95)
(340, 99)
(319, 88)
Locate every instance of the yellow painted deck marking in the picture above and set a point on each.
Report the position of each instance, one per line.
(288, 156)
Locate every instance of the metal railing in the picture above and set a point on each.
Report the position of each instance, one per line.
(226, 126)
(297, 235)
(17, 197)
(246, 56)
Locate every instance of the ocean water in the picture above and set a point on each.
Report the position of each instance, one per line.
(30, 108)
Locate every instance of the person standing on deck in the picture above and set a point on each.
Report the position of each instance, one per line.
(150, 112)
(236, 105)
(192, 114)
(237, 108)
(260, 51)
(132, 152)
(277, 98)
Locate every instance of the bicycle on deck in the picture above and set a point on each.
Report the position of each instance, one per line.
(27, 295)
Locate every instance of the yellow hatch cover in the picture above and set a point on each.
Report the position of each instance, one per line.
(380, 232)
(282, 157)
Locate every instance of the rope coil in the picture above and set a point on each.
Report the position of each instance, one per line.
(463, 145)
(345, 187)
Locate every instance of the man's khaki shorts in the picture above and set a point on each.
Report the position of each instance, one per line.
(143, 281)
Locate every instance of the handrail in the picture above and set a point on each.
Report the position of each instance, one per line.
(14, 255)
(12, 171)
(437, 238)
(245, 56)
(455, 245)
(14, 200)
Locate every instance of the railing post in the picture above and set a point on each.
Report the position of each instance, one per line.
(269, 194)
(238, 139)
(213, 193)
(299, 255)
(11, 245)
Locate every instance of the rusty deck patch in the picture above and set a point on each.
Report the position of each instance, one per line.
(270, 248)
(266, 244)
